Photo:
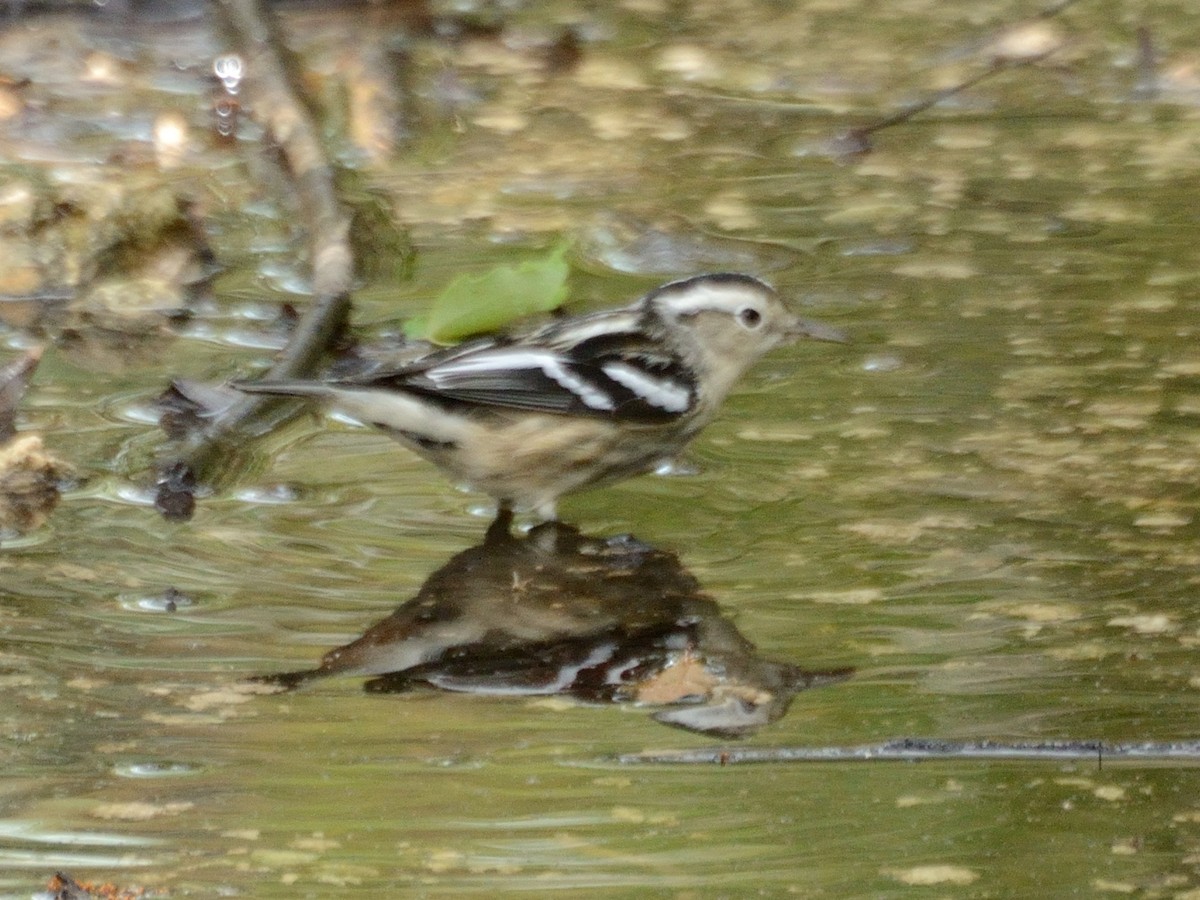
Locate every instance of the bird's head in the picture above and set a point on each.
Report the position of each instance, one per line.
(730, 320)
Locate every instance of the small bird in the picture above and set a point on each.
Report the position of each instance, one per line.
(584, 400)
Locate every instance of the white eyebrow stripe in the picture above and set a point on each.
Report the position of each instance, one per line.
(665, 393)
(701, 297)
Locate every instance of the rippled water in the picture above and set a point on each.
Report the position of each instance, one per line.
(985, 505)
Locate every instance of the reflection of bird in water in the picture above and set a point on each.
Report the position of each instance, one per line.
(557, 612)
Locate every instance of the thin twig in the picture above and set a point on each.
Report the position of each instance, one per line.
(915, 109)
(275, 100)
(857, 141)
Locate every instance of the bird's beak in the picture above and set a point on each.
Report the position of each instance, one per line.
(817, 331)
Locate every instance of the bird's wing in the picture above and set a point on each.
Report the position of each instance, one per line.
(608, 374)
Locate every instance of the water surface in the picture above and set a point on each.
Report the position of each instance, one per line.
(985, 505)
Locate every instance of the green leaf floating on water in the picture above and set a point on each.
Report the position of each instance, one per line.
(474, 304)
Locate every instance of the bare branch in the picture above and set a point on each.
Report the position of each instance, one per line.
(276, 101)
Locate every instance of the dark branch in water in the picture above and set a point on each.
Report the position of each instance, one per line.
(277, 103)
(14, 381)
(1145, 86)
(916, 749)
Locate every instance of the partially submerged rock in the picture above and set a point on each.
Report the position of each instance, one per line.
(29, 476)
(88, 251)
(29, 484)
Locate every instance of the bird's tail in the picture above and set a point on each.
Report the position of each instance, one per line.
(294, 388)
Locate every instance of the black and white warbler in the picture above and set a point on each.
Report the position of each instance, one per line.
(585, 400)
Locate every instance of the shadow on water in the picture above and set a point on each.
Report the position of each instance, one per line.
(555, 611)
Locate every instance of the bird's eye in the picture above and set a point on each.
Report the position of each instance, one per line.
(749, 317)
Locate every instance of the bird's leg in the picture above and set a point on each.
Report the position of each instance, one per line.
(500, 529)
